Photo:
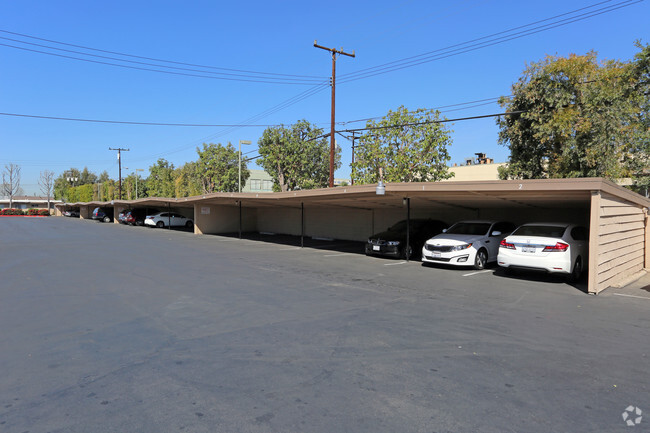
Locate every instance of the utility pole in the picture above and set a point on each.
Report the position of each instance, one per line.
(334, 52)
(119, 161)
(352, 176)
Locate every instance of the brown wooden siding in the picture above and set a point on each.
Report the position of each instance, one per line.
(620, 242)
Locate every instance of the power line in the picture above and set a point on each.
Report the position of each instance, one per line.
(121, 122)
(479, 102)
(489, 40)
(267, 81)
(508, 113)
(160, 60)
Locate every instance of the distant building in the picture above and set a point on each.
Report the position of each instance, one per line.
(28, 202)
(259, 181)
(479, 168)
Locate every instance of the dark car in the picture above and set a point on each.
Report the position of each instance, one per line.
(100, 215)
(392, 242)
(135, 217)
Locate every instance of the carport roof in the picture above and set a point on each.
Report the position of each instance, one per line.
(546, 193)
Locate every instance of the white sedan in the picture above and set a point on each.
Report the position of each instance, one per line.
(167, 219)
(550, 247)
(467, 243)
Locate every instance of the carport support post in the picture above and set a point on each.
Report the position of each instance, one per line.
(239, 218)
(169, 216)
(408, 227)
(302, 225)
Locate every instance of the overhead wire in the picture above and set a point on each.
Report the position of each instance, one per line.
(489, 40)
(268, 80)
(160, 60)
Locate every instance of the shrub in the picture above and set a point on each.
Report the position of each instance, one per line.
(10, 211)
(44, 212)
(32, 212)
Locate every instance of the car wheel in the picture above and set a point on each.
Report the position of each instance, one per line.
(160, 224)
(576, 273)
(107, 219)
(188, 224)
(481, 259)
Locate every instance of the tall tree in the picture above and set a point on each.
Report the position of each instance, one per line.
(186, 180)
(410, 146)
(11, 182)
(580, 118)
(46, 182)
(87, 177)
(296, 156)
(160, 182)
(218, 168)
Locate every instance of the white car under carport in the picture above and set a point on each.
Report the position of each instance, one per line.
(168, 219)
(467, 243)
(549, 247)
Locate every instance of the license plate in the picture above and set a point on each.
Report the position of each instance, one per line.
(528, 249)
(376, 248)
(436, 254)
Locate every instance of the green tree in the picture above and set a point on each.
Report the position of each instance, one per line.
(410, 146)
(86, 177)
(296, 157)
(65, 181)
(186, 180)
(160, 182)
(580, 118)
(218, 168)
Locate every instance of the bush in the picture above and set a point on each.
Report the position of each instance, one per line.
(44, 212)
(32, 212)
(10, 211)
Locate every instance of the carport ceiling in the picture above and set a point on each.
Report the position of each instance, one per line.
(547, 193)
(524, 194)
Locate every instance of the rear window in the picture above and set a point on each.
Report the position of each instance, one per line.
(540, 230)
(469, 228)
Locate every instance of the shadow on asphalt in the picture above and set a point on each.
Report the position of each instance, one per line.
(542, 277)
(336, 245)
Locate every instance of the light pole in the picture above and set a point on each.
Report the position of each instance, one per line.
(240, 143)
(136, 181)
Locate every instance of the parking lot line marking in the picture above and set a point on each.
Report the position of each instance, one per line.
(478, 272)
(335, 255)
(393, 264)
(631, 296)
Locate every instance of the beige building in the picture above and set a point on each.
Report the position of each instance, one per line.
(475, 169)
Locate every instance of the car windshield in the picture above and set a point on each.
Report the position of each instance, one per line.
(398, 227)
(540, 230)
(469, 229)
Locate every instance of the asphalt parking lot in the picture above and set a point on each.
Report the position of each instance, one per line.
(109, 328)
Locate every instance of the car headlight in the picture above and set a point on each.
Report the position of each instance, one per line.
(460, 247)
(393, 243)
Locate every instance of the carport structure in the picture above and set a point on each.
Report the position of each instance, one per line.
(114, 207)
(616, 217)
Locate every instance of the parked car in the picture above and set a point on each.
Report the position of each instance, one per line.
(165, 219)
(71, 214)
(121, 217)
(135, 217)
(548, 247)
(467, 243)
(100, 215)
(392, 242)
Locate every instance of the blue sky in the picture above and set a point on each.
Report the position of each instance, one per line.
(273, 38)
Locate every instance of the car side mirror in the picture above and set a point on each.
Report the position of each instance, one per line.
(496, 233)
